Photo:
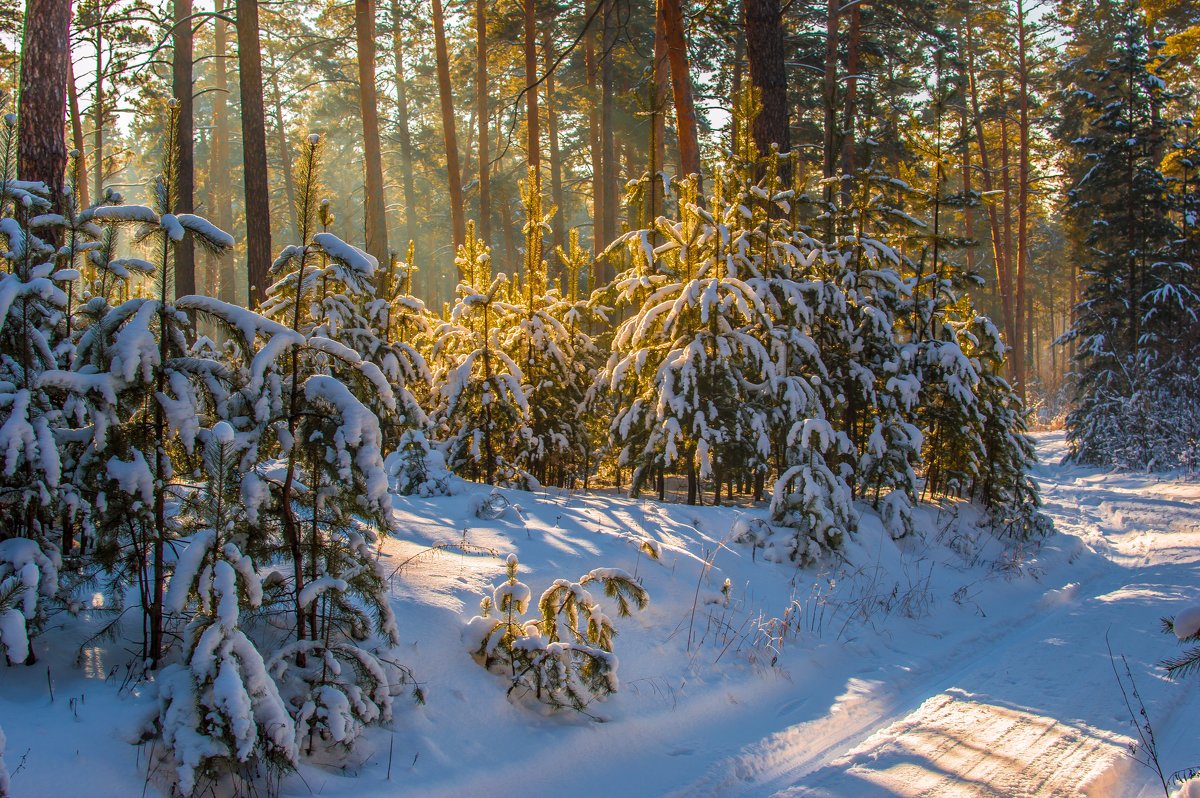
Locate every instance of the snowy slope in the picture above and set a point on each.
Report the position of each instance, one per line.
(943, 666)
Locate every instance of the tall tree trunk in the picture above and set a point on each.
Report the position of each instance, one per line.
(1014, 332)
(829, 94)
(406, 162)
(98, 112)
(79, 178)
(220, 195)
(285, 156)
(181, 87)
(598, 243)
(481, 102)
(1026, 352)
(608, 140)
(999, 256)
(658, 121)
(850, 114)
(533, 141)
(681, 87)
(368, 103)
(765, 52)
(41, 115)
(556, 183)
(254, 153)
(458, 222)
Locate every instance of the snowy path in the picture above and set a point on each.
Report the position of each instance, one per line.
(1031, 709)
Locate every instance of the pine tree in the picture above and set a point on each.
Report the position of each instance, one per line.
(482, 406)
(682, 367)
(1134, 327)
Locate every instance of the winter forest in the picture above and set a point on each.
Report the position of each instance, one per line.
(365, 367)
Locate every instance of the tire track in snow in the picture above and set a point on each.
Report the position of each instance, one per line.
(1008, 718)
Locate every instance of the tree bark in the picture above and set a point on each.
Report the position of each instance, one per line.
(765, 52)
(850, 113)
(458, 223)
(556, 182)
(254, 153)
(658, 122)
(98, 115)
(481, 94)
(220, 195)
(829, 96)
(375, 209)
(181, 87)
(681, 87)
(41, 115)
(79, 178)
(1024, 353)
(608, 140)
(998, 250)
(1014, 332)
(597, 161)
(533, 141)
(406, 168)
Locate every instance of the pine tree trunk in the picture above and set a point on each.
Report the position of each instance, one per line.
(1014, 331)
(375, 209)
(98, 116)
(254, 153)
(481, 102)
(406, 161)
(41, 147)
(1024, 353)
(681, 88)
(850, 114)
(598, 243)
(556, 182)
(829, 96)
(220, 195)
(999, 253)
(80, 176)
(458, 223)
(658, 119)
(533, 141)
(765, 52)
(608, 140)
(181, 87)
(285, 156)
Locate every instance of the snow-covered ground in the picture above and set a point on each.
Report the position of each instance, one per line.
(952, 665)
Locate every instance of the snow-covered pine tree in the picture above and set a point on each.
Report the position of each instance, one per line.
(220, 713)
(479, 389)
(684, 366)
(543, 346)
(810, 500)
(587, 431)
(1135, 328)
(872, 371)
(144, 392)
(565, 657)
(315, 485)
(32, 305)
(1003, 484)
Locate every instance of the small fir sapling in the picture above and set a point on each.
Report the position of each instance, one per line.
(684, 367)
(219, 711)
(543, 345)
(564, 658)
(481, 404)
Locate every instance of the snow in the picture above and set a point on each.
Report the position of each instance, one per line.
(943, 663)
(1187, 622)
